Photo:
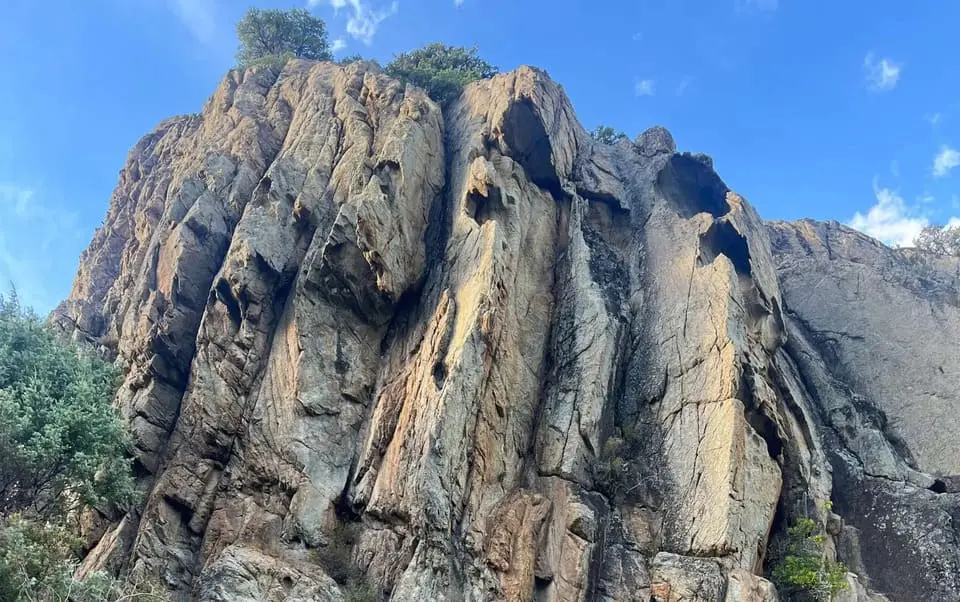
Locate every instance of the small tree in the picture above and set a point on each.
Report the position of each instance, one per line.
(350, 58)
(441, 70)
(62, 447)
(805, 569)
(272, 36)
(941, 240)
(604, 134)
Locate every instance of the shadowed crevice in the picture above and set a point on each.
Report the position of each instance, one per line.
(691, 186)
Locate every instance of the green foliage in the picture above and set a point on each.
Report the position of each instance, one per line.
(441, 70)
(37, 563)
(605, 134)
(61, 442)
(940, 240)
(351, 58)
(273, 36)
(805, 569)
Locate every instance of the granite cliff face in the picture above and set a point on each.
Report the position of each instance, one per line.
(473, 355)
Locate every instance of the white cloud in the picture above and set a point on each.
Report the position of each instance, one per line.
(364, 20)
(644, 87)
(458, 3)
(890, 220)
(338, 45)
(946, 159)
(895, 168)
(683, 85)
(637, 37)
(881, 75)
(933, 118)
(199, 16)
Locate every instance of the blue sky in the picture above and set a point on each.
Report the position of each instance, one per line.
(832, 110)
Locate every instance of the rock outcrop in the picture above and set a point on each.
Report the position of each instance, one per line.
(873, 331)
(470, 354)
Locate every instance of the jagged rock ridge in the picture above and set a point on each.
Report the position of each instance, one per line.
(473, 355)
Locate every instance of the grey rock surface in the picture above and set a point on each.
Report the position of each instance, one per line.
(473, 355)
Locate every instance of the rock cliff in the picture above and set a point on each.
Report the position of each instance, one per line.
(471, 354)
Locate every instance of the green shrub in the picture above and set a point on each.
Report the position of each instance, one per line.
(605, 134)
(350, 58)
(61, 441)
(37, 564)
(273, 36)
(62, 451)
(805, 569)
(441, 70)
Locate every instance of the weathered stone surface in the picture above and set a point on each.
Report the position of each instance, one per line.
(474, 355)
(685, 579)
(887, 322)
(245, 575)
(869, 328)
(743, 586)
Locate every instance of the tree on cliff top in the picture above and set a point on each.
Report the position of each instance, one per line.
(271, 36)
(940, 240)
(604, 134)
(441, 70)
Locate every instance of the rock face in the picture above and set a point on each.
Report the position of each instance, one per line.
(874, 333)
(378, 349)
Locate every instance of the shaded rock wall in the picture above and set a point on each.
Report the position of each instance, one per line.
(472, 355)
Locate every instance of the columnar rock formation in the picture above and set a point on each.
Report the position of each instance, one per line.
(473, 355)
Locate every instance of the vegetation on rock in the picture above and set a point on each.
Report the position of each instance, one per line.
(273, 36)
(441, 70)
(37, 564)
(351, 58)
(804, 570)
(61, 441)
(940, 240)
(604, 134)
(63, 452)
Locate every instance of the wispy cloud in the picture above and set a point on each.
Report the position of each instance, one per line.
(683, 85)
(16, 200)
(338, 45)
(637, 36)
(752, 6)
(890, 220)
(946, 160)
(644, 87)
(933, 118)
(364, 20)
(895, 168)
(458, 3)
(881, 75)
(199, 16)
(34, 235)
